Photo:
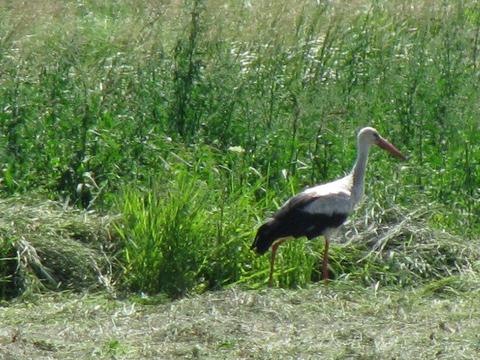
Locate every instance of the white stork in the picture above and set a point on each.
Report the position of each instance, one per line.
(321, 209)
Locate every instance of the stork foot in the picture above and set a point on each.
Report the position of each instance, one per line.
(325, 262)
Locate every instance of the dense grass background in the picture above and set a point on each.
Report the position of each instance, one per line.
(196, 119)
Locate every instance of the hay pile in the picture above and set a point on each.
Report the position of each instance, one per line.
(401, 247)
(44, 245)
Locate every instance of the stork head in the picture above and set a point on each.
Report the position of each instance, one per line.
(370, 136)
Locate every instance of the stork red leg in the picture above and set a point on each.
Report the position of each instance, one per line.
(325, 262)
(272, 261)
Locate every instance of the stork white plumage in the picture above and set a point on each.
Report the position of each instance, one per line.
(321, 209)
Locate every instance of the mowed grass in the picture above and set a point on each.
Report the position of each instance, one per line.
(342, 321)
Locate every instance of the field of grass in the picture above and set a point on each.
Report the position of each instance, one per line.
(156, 136)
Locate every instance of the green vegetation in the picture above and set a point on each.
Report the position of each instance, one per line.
(193, 120)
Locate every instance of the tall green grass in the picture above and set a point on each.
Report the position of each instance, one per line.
(8, 265)
(101, 102)
(184, 231)
(164, 240)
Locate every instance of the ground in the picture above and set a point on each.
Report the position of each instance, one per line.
(318, 322)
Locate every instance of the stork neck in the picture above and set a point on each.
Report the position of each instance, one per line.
(358, 171)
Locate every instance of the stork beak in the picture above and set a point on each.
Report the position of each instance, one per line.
(384, 144)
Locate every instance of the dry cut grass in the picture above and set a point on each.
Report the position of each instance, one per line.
(339, 322)
(52, 246)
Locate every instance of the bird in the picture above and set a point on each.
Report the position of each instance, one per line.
(321, 209)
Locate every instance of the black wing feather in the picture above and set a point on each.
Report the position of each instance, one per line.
(291, 220)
